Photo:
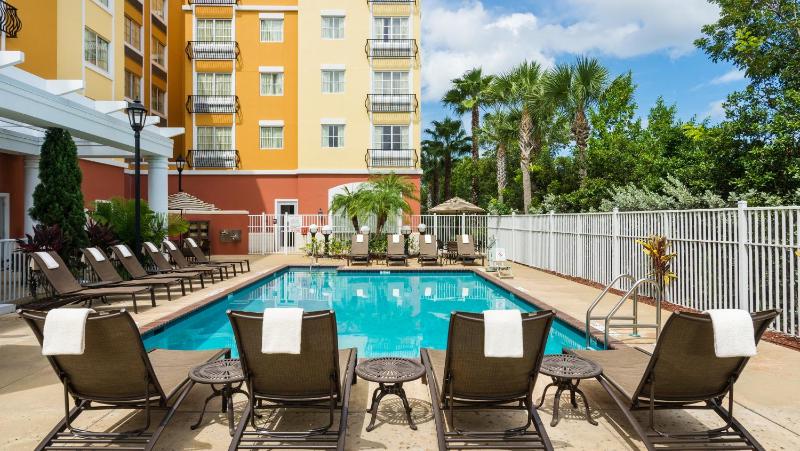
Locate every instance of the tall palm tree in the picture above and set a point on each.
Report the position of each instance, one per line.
(449, 139)
(432, 160)
(499, 127)
(387, 195)
(576, 88)
(350, 203)
(470, 93)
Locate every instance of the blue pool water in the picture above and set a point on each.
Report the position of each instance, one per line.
(380, 313)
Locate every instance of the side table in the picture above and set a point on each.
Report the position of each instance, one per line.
(224, 373)
(390, 373)
(567, 371)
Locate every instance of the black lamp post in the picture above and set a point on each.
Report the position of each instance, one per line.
(137, 114)
(180, 163)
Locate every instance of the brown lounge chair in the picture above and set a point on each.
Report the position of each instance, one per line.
(319, 378)
(463, 379)
(682, 372)
(359, 251)
(66, 287)
(466, 251)
(182, 263)
(106, 272)
(395, 252)
(165, 266)
(137, 271)
(428, 252)
(200, 257)
(115, 373)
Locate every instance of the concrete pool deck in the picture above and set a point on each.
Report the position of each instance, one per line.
(767, 395)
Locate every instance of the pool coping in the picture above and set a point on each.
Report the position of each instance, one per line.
(479, 271)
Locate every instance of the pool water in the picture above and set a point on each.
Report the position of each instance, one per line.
(381, 313)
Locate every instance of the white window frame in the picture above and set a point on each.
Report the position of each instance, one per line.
(380, 89)
(325, 138)
(329, 84)
(164, 8)
(163, 112)
(97, 40)
(378, 145)
(271, 125)
(336, 33)
(153, 43)
(214, 35)
(125, 86)
(214, 84)
(215, 145)
(377, 31)
(265, 19)
(264, 72)
(125, 22)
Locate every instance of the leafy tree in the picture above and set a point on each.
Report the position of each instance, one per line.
(119, 213)
(386, 195)
(58, 199)
(447, 142)
(499, 128)
(350, 203)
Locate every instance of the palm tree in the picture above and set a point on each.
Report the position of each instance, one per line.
(470, 93)
(576, 88)
(500, 128)
(387, 195)
(448, 139)
(432, 158)
(351, 203)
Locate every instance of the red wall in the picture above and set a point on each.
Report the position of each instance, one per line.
(217, 222)
(101, 181)
(12, 181)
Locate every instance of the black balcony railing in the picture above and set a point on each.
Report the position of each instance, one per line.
(213, 104)
(212, 50)
(9, 20)
(214, 158)
(213, 2)
(391, 103)
(392, 48)
(393, 2)
(391, 158)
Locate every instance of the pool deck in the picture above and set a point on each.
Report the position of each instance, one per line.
(767, 395)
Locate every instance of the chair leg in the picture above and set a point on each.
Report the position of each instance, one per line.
(135, 308)
(169, 292)
(153, 296)
(183, 287)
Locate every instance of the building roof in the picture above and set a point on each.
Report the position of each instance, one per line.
(185, 201)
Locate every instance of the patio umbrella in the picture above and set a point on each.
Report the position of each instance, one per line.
(185, 201)
(454, 206)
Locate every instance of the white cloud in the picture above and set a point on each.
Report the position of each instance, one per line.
(716, 110)
(460, 35)
(728, 77)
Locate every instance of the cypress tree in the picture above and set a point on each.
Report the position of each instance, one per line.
(58, 199)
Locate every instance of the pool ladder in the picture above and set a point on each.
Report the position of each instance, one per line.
(624, 322)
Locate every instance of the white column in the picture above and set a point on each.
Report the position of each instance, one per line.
(157, 183)
(31, 180)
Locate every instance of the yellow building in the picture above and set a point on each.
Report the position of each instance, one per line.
(287, 102)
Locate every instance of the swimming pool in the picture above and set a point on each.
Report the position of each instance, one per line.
(382, 313)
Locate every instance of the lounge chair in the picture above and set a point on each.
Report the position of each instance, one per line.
(135, 269)
(200, 257)
(463, 379)
(67, 288)
(428, 250)
(102, 266)
(682, 372)
(359, 250)
(466, 250)
(395, 251)
(319, 378)
(164, 265)
(182, 263)
(115, 373)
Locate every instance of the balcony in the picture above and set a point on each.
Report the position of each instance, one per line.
(393, 2)
(214, 2)
(392, 48)
(9, 20)
(213, 159)
(391, 158)
(213, 104)
(212, 50)
(391, 103)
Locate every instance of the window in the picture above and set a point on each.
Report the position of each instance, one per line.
(133, 86)
(390, 28)
(272, 137)
(271, 30)
(214, 138)
(158, 100)
(391, 83)
(95, 49)
(159, 53)
(272, 84)
(159, 9)
(102, 2)
(332, 27)
(213, 30)
(213, 84)
(133, 33)
(332, 135)
(332, 81)
(390, 137)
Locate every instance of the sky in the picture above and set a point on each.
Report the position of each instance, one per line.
(651, 38)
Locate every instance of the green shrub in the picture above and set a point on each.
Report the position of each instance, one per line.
(118, 214)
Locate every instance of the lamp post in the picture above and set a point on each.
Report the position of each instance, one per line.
(312, 231)
(180, 164)
(137, 114)
(326, 232)
(406, 232)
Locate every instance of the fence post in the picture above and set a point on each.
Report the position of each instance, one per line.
(514, 235)
(615, 252)
(285, 227)
(742, 262)
(463, 223)
(263, 233)
(435, 225)
(551, 245)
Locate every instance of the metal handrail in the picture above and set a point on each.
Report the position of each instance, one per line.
(635, 324)
(10, 24)
(391, 103)
(213, 2)
(385, 48)
(212, 104)
(212, 50)
(391, 158)
(214, 158)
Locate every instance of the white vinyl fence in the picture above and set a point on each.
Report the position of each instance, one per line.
(13, 272)
(740, 257)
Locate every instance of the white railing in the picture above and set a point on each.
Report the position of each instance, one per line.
(13, 272)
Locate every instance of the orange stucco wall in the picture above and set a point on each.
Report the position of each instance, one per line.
(101, 181)
(217, 222)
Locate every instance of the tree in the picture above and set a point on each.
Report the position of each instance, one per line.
(470, 93)
(387, 195)
(119, 213)
(449, 141)
(58, 199)
(499, 128)
(576, 88)
(350, 203)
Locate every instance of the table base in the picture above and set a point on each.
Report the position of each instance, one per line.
(382, 391)
(226, 395)
(562, 384)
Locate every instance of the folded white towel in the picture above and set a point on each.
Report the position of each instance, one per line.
(733, 333)
(395, 238)
(97, 254)
(150, 246)
(428, 291)
(170, 245)
(281, 331)
(48, 260)
(465, 239)
(191, 242)
(502, 333)
(428, 239)
(123, 249)
(65, 331)
(396, 292)
(359, 238)
(360, 293)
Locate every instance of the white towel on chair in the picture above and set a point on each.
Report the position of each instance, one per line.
(502, 333)
(170, 245)
(48, 260)
(428, 239)
(123, 249)
(395, 238)
(65, 331)
(733, 333)
(281, 331)
(97, 254)
(465, 239)
(150, 246)
(191, 242)
(359, 238)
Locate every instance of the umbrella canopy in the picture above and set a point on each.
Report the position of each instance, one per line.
(454, 206)
(185, 201)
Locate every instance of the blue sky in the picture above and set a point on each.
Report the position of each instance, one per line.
(651, 38)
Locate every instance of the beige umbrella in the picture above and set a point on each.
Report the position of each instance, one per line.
(454, 206)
